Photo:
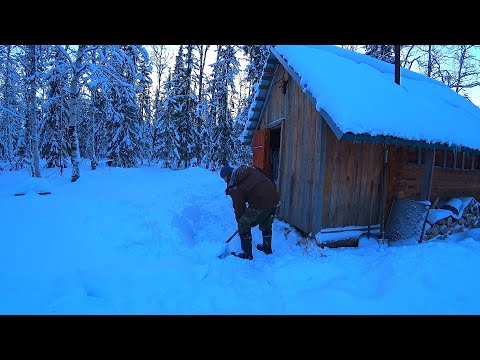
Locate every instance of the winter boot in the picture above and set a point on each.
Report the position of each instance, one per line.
(266, 247)
(246, 241)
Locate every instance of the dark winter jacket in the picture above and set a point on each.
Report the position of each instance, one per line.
(249, 185)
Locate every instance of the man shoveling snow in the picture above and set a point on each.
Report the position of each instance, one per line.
(249, 185)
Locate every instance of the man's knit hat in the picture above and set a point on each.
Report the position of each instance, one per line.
(226, 170)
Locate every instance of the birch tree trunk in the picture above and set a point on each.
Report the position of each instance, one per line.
(93, 161)
(461, 60)
(6, 99)
(466, 68)
(202, 51)
(73, 115)
(31, 75)
(161, 59)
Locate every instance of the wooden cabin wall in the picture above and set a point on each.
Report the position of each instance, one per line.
(325, 182)
(300, 173)
(350, 169)
(275, 106)
(404, 180)
(449, 179)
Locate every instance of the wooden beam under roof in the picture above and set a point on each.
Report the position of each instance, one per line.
(404, 142)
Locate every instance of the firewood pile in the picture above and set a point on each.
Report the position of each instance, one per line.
(451, 217)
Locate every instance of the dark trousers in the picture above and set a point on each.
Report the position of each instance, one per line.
(253, 217)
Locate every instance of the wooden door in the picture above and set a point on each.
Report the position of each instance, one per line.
(261, 150)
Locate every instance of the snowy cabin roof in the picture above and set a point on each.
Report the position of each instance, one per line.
(358, 97)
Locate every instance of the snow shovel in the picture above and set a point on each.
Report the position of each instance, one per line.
(225, 251)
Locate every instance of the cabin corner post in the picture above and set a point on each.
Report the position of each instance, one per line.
(428, 174)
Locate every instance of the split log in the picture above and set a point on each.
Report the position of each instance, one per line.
(349, 242)
(457, 230)
(444, 229)
(442, 221)
(454, 205)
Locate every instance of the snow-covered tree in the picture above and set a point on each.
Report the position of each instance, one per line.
(181, 111)
(125, 143)
(192, 122)
(256, 57)
(31, 62)
(143, 65)
(10, 114)
(157, 143)
(222, 85)
(199, 78)
(160, 59)
(78, 64)
(54, 147)
(167, 127)
(465, 68)
(382, 52)
(99, 110)
(201, 115)
(352, 47)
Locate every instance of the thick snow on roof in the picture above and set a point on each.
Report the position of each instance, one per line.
(361, 96)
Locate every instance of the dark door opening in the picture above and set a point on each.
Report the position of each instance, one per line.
(274, 153)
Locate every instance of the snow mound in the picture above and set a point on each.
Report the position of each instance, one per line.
(37, 185)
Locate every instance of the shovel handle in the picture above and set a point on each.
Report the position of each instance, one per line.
(231, 237)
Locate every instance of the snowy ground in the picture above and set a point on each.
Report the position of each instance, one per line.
(145, 241)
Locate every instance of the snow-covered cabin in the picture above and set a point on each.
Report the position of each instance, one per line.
(341, 137)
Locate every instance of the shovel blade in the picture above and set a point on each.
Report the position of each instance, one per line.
(224, 253)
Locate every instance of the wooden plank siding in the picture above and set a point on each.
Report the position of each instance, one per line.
(294, 199)
(324, 182)
(300, 169)
(319, 172)
(287, 153)
(407, 179)
(350, 169)
(275, 105)
(305, 135)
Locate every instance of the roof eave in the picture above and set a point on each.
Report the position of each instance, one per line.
(384, 139)
(253, 122)
(336, 130)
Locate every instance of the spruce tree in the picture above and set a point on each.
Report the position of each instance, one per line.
(10, 113)
(124, 146)
(225, 69)
(54, 147)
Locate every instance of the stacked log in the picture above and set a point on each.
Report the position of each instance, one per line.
(449, 225)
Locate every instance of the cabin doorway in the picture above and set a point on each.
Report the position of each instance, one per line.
(274, 153)
(266, 151)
